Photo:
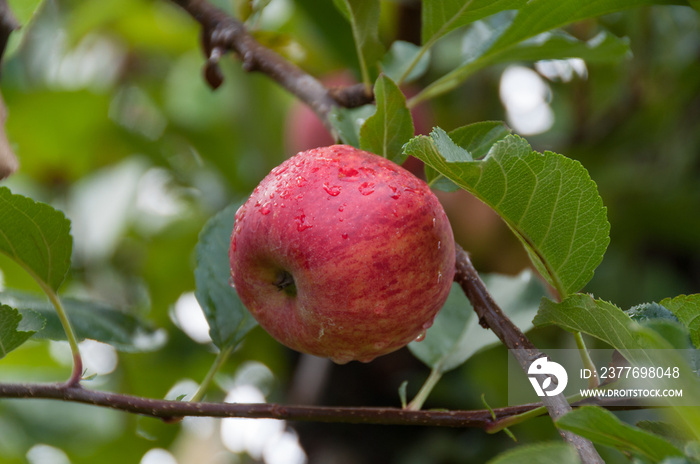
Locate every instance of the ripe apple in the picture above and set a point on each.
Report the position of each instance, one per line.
(343, 254)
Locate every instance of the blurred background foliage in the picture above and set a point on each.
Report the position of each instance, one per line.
(113, 123)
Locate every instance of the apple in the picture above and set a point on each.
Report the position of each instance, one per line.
(343, 254)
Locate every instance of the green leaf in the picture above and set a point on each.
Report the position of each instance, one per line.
(364, 20)
(548, 201)
(400, 58)
(476, 139)
(671, 432)
(546, 46)
(603, 427)
(544, 15)
(604, 47)
(229, 321)
(439, 17)
(639, 345)
(663, 321)
(36, 236)
(540, 453)
(687, 309)
(24, 11)
(456, 334)
(583, 313)
(391, 126)
(348, 121)
(12, 332)
(97, 321)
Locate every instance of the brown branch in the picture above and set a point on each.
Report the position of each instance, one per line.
(491, 316)
(170, 410)
(221, 33)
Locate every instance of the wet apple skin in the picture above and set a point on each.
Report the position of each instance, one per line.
(367, 244)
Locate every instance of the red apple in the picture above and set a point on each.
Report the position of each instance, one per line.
(343, 254)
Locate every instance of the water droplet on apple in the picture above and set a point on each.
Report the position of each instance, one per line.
(439, 244)
(366, 188)
(439, 276)
(265, 209)
(395, 193)
(272, 195)
(230, 282)
(341, 359)
(380, 345)
(301, 181)
(332, 190)
(428, 324)
(345, 236)
(348, 174)
(420, 337)
(240, 214)
(302, 225)
(341, 208)
(285, 194)
(279, 169)
(434, 222)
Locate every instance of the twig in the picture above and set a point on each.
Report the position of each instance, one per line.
(168, 410)
(221, 33)
(491, 316)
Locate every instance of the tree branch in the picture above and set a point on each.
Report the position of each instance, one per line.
(221, 33)
(171, 410)
(491, 316)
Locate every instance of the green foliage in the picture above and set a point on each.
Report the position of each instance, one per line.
(483, 47)
(547, 200)
(67, 121)
(442, 17)
(11, 335)
(604, 428)
(640, 345)
(687, 309)
(544, 15)
(404, 62)
(348, 122)
(541, 453)
(228, 319)
(91, 320)
(36, 236)
(364, 19)
(391, 126)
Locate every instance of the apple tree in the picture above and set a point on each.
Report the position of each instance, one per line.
(562, 139)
